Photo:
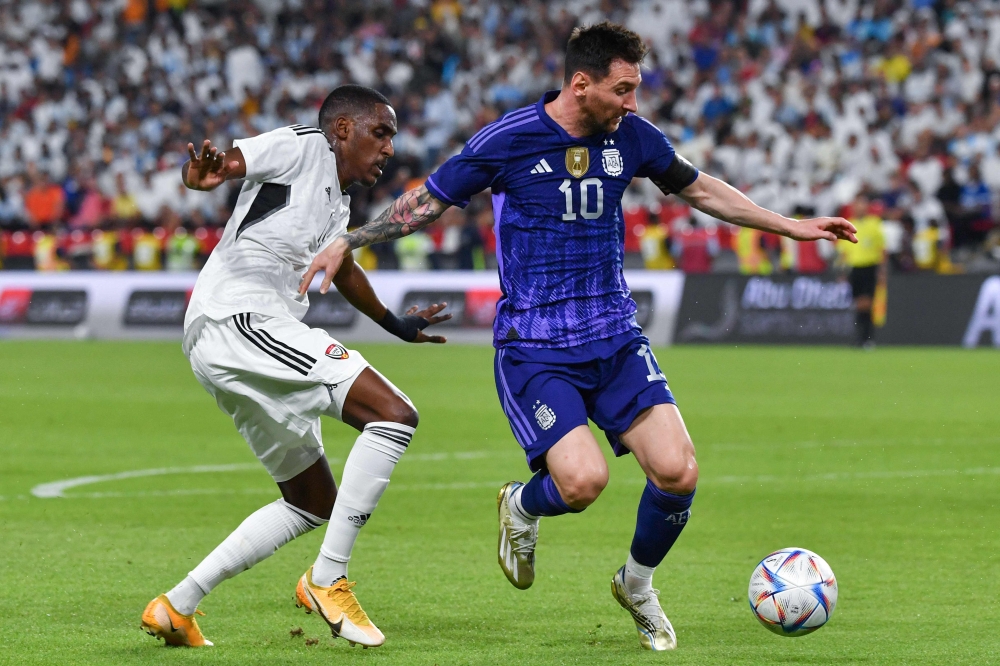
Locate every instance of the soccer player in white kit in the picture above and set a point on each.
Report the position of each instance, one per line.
(274, 375)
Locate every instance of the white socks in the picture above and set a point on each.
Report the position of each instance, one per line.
(517, 511)
(638, 578)
(263, 532)
(366, 476)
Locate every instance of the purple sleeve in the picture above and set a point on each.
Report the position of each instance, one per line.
(657, 153)
(466, 174)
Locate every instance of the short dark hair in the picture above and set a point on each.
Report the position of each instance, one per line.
(351, 100)
(593, 48)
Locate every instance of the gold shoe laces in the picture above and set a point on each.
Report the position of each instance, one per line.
(344, 598)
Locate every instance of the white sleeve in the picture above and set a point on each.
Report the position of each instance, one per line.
(338, 223)
(271, 157)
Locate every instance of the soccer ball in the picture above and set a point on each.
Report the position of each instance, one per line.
(793, 592)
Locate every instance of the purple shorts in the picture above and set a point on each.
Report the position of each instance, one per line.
(545, 393)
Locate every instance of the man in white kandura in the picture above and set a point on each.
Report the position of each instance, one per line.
(275, 376)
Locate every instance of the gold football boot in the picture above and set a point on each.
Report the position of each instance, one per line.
(655, 630)
(516, 544)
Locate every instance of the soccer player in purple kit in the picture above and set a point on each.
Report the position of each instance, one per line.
(568, 348)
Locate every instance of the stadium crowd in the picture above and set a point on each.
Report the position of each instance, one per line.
(803, 104)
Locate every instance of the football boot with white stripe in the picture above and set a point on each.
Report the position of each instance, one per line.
(340, 608)
(655, 630)
(516, 545)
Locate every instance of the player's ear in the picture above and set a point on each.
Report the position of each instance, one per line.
(342, 127)
(579, 83)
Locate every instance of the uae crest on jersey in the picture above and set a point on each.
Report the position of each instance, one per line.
(611, 160)
(336, 352)
(577, 161)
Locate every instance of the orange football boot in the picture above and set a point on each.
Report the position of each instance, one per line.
(340, 608)
(161, 620)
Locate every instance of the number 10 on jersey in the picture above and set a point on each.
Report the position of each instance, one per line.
(586, 187)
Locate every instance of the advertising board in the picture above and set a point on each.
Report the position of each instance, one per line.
(152, 305)
(765, 309)
(922, 309)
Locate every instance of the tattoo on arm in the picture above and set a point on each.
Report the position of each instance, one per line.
(411, 211)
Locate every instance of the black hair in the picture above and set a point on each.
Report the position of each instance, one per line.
(351, 100)
(593, 48)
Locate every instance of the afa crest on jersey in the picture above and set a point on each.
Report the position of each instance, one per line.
(336, 352)
(612, 162)
(577, 161)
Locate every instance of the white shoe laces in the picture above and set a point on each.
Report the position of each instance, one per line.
(648, 604)
(523, 538)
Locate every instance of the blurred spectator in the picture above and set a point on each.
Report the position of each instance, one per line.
(46, 252)
(413, 251)
(696, 246)
(903, 258)
(181, 249)
(975, 201)
(147, 249)
(928, 245)
(460, 242)
(92, 208)
(124, 207)
(107, 253)
(44, 202)
(924, 210)
(749, 246)
(12, 211)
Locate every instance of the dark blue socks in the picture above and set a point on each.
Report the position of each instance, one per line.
(540, 497)
(661, 518)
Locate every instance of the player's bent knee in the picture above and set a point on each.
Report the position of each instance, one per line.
(321, 507)
(580, 491)
(406, 414)
(678, 477)
(317, 501)
(400, 410)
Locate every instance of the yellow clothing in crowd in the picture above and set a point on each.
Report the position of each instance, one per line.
(925, 248)
(146, 256)
(751, 255)
(869, 249)
(895, 68)
(653, 245)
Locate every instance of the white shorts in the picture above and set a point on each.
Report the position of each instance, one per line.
(275, 377)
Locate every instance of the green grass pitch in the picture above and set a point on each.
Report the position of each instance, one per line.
(884, 463)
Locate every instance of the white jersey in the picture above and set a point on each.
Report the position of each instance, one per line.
(290, 209)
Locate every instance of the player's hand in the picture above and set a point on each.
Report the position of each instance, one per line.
(328, 261)
(823, 228)
(208, 169)
(431, 316)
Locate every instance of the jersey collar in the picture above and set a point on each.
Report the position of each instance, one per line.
(592, 140)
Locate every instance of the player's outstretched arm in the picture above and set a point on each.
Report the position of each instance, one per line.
(721, 200)
(353, 284)
(413, 210)
(210, 168)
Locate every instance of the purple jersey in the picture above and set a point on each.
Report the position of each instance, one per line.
(559, 227)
